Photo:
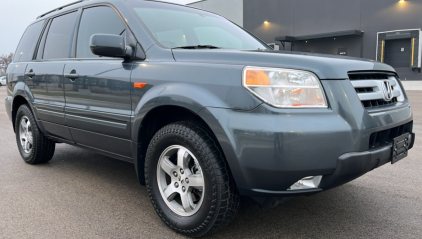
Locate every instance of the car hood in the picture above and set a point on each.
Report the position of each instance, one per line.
(325, 66)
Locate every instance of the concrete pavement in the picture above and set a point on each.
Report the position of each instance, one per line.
(412, 85)
(80, 194)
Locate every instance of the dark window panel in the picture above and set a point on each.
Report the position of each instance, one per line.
(59, 36)
(97, 20)
(25, 50)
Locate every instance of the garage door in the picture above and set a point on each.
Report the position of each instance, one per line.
(398, 52)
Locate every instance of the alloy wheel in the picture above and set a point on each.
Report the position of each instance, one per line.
(180, 180)
(25, 133)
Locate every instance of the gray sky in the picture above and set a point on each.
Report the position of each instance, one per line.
(16, 15)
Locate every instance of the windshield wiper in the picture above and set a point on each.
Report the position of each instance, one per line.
(198, 47)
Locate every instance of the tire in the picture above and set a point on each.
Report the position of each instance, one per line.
(33, 146)
(211, 208)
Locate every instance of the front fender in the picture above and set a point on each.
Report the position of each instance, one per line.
(191, 97)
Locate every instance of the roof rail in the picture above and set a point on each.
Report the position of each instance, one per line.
(60, 8)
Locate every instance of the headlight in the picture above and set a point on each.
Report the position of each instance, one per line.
(285, 88)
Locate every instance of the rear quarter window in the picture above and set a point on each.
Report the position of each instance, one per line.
(28, 42)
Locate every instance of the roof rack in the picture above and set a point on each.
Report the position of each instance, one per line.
(60, 8)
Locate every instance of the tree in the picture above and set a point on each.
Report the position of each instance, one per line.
(5, 60)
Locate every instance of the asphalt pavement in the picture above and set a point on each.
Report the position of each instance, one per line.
(81, 194)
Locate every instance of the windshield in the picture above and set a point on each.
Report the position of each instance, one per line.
(176, 26)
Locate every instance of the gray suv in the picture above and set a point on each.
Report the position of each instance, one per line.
(204, 110)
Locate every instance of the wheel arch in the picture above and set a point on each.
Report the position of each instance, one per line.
(21, 95)
(154, 120)
(177, 102)
(18, 100)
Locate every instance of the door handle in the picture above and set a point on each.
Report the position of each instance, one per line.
(30, 73)
(72, 75)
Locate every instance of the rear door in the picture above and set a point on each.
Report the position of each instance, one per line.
(44, 76)
(97, 90)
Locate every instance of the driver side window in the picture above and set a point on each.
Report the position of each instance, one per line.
(97, 20)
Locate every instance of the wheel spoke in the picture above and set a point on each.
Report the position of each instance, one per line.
(28, 129)
(196, 181)
(187, 202)
(23, 125)
(23, 143)
(30, 139)
(182, 156)
(168, 166)
(27, 145)
(170, 192)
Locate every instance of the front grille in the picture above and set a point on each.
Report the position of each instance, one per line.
(364, 90)
(369, 76)
(378, 103)
(385, 137)
(370, 89)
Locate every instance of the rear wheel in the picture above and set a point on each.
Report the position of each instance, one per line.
(33, 146)
(188, 180)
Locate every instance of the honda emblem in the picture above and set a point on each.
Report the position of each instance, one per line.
(388, 91)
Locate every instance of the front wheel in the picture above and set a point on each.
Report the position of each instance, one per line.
(33, 146)
(188, 180)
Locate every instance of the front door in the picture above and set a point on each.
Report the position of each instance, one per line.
(97, 89)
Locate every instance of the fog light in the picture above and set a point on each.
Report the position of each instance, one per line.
(306, 183)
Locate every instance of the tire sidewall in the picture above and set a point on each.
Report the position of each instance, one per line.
(182, 222)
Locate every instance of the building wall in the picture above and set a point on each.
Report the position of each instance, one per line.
(306, 17)
(351, 44)
(230, 9)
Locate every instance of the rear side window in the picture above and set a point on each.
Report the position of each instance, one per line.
(59, 37)
(26, 47)
(97, 20)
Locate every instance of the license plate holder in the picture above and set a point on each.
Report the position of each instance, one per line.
(400, 148)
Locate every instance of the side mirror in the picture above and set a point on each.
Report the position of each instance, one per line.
(108, 45)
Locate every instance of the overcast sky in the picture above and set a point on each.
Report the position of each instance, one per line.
(16, 15)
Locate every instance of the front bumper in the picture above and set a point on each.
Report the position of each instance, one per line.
(269, 149)
(349, 167)
(353, 165)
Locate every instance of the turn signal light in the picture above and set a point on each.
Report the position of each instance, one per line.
(257, 77)
(139, 85)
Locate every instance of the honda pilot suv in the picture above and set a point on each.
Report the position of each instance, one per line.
(204, 110)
